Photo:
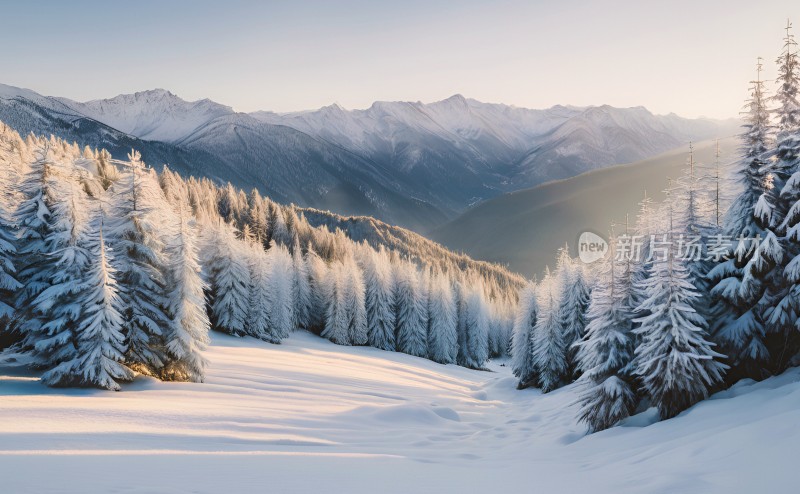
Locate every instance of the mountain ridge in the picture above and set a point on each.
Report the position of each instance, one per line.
(413, 164)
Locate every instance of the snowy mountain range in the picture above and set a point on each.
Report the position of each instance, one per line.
(408, 163)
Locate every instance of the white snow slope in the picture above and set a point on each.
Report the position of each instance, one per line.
(309, 416)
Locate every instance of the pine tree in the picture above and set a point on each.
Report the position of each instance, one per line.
(319, 274)
(783, 293)
(277, 224)
(693, 227)
(336, 318)
(522, 362)
(674, 360)
(257, 218)
(9, 285)
(301, 288)
(411, 311)
(66, 257)
(442, 321)
(379, 298)
(228, 277)
(605, 353)
(549, 357)
(186, 336)
(738, 284)
(356, 309)
(32, 219)
(258, 307)
(279, 294)
(574, 298)
(477, 328)
(135, 234)
(100, 348)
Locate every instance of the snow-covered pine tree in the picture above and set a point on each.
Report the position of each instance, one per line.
(549, 355)
(605, 353)
(301, 288)
(100, 346)
(318, 274)
(783, 290)
(257, 323)
(336, 318)
(9, 285)
(356, 310)
(106, 171)
(174, 188)
(411, 310)
(65, 259)
(279, 294)
(646, 231)
(737, 286)
(477, 327)
(693, 223)
(135, 235)
(277, 224)
(257, 218)
(379, 298)
(574, 302)
(442, 321)
(227, 276)
(33, 226)
(462, 294)
(186, 336)
(228, 204)
(674, 360)
(52, 216)
(522, 337)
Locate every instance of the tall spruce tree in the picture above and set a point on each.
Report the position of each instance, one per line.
(522, 363)
(379, 298)
(186, 336)
(411, 311)
(135, 234)
(737, 280)
(549, 355)
(301, 288)
(674, 360)
(574, 302)
(66, 256)
(783, 292)
(442, 321)
(228, 278)
(279, 294)
(477, 327)
(32, 219)
(605, 354)
(100, 348)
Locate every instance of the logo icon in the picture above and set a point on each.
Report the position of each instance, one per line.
(591, 247)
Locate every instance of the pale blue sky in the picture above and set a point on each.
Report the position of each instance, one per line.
(690, 57)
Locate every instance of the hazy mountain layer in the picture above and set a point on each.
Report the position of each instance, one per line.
(524, 229)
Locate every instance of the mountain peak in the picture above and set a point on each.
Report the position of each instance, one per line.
(157, 92)
(334, 108)
(456, 100)
(154, 114)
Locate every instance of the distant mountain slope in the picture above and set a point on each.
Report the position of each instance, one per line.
(413, 164)
(407, 243)
(461, 151)
(524, 229)
(26, 112)
(155, 115)
(282, 162)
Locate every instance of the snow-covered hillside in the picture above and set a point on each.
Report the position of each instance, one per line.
(308, 415)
